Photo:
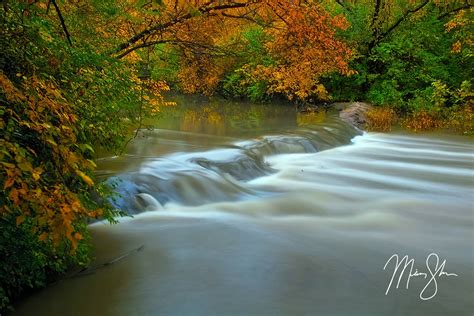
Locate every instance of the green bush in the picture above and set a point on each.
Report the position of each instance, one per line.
(28, 264)
(400, 70)
(56, 105)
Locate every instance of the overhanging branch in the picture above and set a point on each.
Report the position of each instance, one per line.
(143, 45)
(205, 8)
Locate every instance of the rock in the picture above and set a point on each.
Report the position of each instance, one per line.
(353, 112)
(146, 202)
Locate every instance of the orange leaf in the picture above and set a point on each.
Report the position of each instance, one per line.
(43, 236)
(8, 183)
(78, 236)
(20, 219)
(14, 196)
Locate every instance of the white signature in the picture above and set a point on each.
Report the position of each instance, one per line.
(435, 269)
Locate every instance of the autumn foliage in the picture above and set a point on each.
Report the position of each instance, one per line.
(57, 102)
(305, 47)
(300, 43)
(41, 145)
(380, 119)
(422, 121)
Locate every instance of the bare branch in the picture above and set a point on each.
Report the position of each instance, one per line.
(61, 19)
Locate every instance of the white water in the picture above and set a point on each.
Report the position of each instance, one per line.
(310, 237)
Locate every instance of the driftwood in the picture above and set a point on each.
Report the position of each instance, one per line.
(92, 270)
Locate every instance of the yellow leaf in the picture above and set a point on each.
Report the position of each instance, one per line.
(85, 178)
(91, 163)
(8, 165)
(20, 219)
(36, 173)
(51, 141)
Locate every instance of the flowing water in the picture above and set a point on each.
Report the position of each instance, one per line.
(256, 210)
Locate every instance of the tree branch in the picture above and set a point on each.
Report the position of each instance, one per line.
(192, 46)
(378, 38)
(343, 5)
(143, 45)
(464, 7)
(48, 6)
(93, 269)
(205, 8)
(63, 24)
(245, 17)
(375, 17)
(404, 17)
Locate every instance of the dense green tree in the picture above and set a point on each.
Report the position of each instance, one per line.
(403, 48)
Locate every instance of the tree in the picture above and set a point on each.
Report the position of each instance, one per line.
(57, 95)
(386, 16)
(301, 40)
(402, 48)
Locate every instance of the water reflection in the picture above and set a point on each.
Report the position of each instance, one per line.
(310, 118)
(222, 117)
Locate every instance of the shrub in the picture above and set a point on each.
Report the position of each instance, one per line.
(462, 120)
(422, 121)
(380, 119)
(28, 264)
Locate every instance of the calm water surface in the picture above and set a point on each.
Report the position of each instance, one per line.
(247, 209)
